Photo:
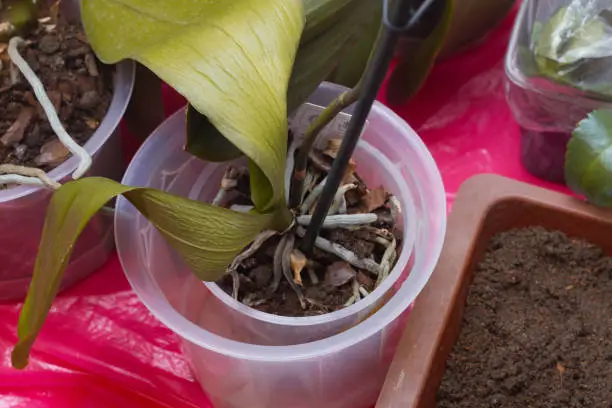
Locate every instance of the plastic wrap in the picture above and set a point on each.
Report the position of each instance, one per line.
(558, 71)
(100, 347)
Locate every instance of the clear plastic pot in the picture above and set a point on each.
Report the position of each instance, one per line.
(23, 208)
(236, 356)
(546, 110)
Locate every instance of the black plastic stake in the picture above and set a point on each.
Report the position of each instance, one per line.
(401, 18)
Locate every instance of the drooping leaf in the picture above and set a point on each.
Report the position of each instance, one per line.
(207, 237)
(231, 59)
(411, 71)
(588, 161)
(332, 29)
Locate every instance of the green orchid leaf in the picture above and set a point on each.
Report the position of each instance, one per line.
(588, 161)
(205, 141)
(333, 29)
(207, 237)
(231, 59)
(351, 67)
(412, 71)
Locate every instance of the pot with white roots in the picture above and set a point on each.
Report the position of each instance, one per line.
(52, 132)
(245, 357)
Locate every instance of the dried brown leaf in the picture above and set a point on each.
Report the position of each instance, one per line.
(52, 153)
(92, 123)
(333, 145)
(92, 67)
(298, 263)
(560, 368)
(374, 199)
(339, 273)
(14, 134)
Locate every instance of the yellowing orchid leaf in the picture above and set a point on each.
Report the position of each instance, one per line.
(207, 237)
(231, 59)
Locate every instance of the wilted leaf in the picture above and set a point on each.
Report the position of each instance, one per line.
(588, 161)
(410, 73)
(231, 60)
(207, 237)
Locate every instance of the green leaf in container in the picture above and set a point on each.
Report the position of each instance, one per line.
(414, 67)
(231, 60)
(588, 161)
(207, 237)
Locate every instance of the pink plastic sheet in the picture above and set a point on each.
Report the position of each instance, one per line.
(101, 347)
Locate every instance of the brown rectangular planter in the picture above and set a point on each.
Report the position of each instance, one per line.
(485, 205)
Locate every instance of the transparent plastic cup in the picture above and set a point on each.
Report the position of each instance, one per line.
(242, 360)
(546, 111)
(23, 208)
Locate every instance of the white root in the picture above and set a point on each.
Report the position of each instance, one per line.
(241, 208)
(313, 276)
(363, 291)
(257, 243)
(343, 253)
(235, 284)
(39, 90)
(339, 199)
(350, 301)
(341, 221)
(309, 183)
(356, 290)
(13, 174)
(228, 182)
(387, 260)
(395, 207)
(310, 200)
(289, 166)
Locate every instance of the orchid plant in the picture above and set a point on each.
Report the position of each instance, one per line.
(243, 65)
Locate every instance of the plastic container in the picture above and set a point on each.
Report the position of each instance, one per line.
(546, 111)
(485, 205)
(342, 370)
(23, 208)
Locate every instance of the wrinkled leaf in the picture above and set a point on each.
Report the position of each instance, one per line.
(230, 59)
(344, 21)
(207, 237)
(410, 73)
(588, 161)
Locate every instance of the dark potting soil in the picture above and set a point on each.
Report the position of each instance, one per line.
(537, 330)
(77, 84)
(327, 282)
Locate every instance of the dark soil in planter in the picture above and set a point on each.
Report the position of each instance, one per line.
(327, 282)
(537, 329)
(77, 84)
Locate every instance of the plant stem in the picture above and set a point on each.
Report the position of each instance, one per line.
(299, 172)
(373, 79)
